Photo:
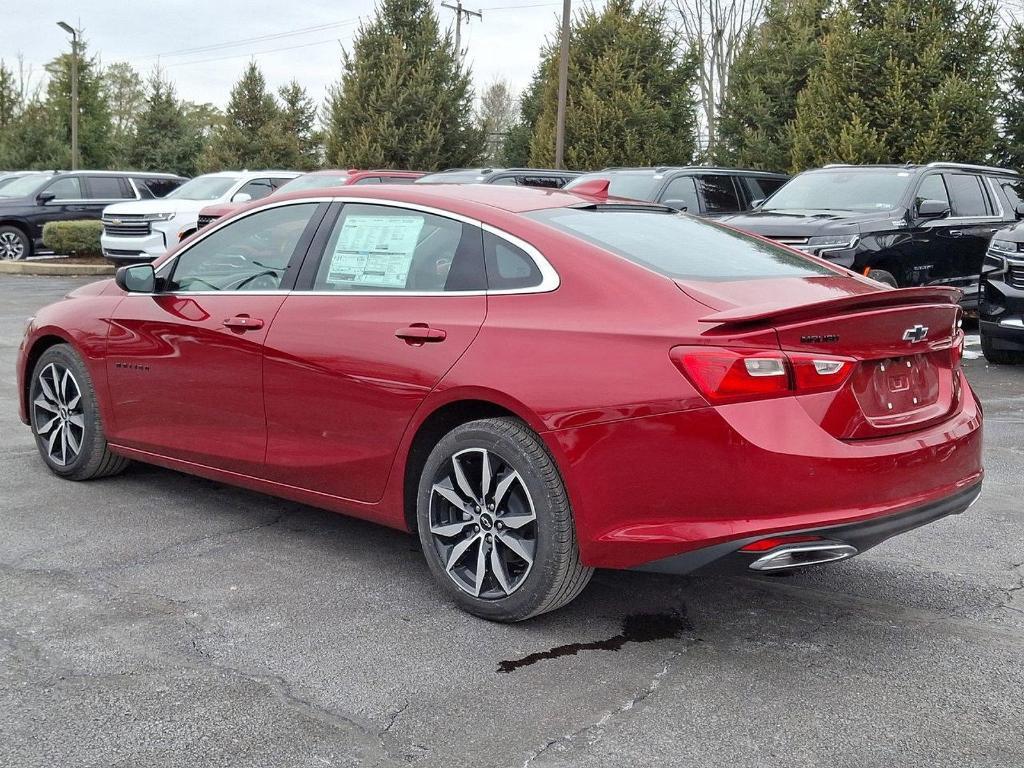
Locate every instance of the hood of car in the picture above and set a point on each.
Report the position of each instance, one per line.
(1014, 233)
(19, 202)
(162, 205)
(812, 223)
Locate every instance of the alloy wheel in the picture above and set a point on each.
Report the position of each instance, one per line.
(483, 524)
(58, 415)
(11, 246)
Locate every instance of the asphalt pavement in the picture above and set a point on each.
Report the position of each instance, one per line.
(156, 619)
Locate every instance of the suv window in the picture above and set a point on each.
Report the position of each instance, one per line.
(381, 248)
(682, 191)
(967, 198)
(67, 188)
(760, 187)
(108, 188)
(544, 182)
(156, 187)
(255, 189)
(368, 180)
(719, 193)
(932, 188)
(278, 182)
(508, 266)
(1014, 191)
(250, 254)
(397, 180)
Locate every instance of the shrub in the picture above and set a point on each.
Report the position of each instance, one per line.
(81, 238)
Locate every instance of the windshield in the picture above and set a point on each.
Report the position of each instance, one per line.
(878, 189)
(637, 185)
(314, 181)
(455, 177)
(680, 246)
(22, 186)
(203, 188)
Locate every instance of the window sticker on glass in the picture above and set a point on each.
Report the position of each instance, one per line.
(375, 251)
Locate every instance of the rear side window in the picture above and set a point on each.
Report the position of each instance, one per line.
(682, 193)
(108, 188)
(255, 189)
(719, 193)
(544, 182)
(375, 248)
(680, 246)
(761, 187)
(1014, 191)
(966, 196)
(508, 266)
(157, 187)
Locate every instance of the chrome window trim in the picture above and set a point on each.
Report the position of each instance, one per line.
(993, 193)
(549, 276)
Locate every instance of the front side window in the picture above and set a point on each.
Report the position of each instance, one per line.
(681, 193)
(966, 196)
(680, 246)
(932, 188)
(68, 188)
(250, 254)
(375, 248)
(846, 189)
(719, 193)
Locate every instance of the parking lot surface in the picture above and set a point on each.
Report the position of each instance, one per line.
(155, 619)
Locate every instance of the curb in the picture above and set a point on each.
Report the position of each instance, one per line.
(55, 270)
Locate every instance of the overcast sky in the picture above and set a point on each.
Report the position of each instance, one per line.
(504, 44)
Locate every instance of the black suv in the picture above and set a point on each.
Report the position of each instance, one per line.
(902, 225)
(700, 190)
(517, 177)
(29, 202)
(1001, 301)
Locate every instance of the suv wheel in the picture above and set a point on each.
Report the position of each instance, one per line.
(883, 277)
(999, 356)
(495, 522)
(14, 244)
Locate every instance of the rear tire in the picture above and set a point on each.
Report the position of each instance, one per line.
(883, 277)
(66, 420)
(495, 523)
(15, 245)
(999, 356)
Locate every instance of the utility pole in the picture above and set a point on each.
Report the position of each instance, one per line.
(74, 92)
(563, 85)
(460, 12)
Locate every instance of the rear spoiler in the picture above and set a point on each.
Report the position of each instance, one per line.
(760, 313)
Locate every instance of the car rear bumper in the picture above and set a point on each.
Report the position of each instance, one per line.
(651, 488)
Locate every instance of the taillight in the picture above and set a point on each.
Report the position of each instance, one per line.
(725, 375)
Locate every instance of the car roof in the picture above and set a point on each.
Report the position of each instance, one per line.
(134, 174)
(490, 171)
(465, 199)
(702, 168)
(916, 167)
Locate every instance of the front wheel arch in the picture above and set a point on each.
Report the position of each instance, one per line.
(39, 346)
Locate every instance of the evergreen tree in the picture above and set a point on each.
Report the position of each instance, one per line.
(10, 97)
(404, 99)
(630, 96)
(901, 81)
(32, 142)
(251, 135)
(125, 93)
(94, 143)
(1012, 106)
(494, 118)
(516, 150)
(769, 72)
(164, 140)
(298, 124)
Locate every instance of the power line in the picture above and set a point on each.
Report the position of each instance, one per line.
(248, 40)
(511, 7)
(249, 53)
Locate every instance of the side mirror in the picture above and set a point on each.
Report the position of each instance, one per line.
(932, 209)
(44, 197)
(1019, 210)
(241, 197)
(679, 205)
(136, 278)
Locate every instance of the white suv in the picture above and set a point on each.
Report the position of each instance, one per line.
(142, 230)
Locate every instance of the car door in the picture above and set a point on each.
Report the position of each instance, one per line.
(957, 243)
(388, 299)
(68, 203)
(185, 365)
(101, 191)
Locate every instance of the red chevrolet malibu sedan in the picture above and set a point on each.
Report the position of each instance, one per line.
(538, 382)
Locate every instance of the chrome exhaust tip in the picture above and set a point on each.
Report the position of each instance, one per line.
(799, 555)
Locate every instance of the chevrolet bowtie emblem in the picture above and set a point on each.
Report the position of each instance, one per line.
(915, 334)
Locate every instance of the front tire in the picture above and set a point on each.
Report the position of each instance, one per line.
(66, 420)
(999, 356)
(495, 523)
(883, 277)
(15, 245)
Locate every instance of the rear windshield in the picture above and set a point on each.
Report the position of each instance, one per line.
(679, 246)
(637, 185)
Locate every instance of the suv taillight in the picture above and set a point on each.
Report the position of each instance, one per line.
(725, 375)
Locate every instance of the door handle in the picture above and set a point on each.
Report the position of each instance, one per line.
(956, 232)
(243, 323)
(420, 333)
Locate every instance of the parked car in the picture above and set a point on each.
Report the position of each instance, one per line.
(31, 200)
(1001, 301)
(903, 225)
(540, 383)
(141, 231)
(699, 190)
(316, 180)
(514, 177)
